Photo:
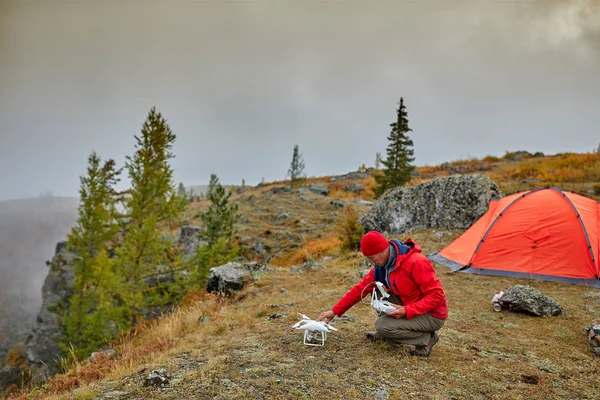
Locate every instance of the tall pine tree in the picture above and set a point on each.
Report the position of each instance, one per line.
(397, 166)
(91, 318)
(152, 205)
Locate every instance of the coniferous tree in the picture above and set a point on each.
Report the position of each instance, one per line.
(221, 216)
(152, 203)
(296, 170)
(398, 167)
(218, 229)
(181, 190)
(377, 160)
(91, 318)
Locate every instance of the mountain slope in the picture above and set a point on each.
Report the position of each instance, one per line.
(245, 348)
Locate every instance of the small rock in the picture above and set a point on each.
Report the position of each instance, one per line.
(354, 188)
(276, 315)
(592, 294)
(157, 377)
(337, 203)
(381, 394)
(345, 318)
(227, 383)
(259, 248)
(309, 265)
(281, 189)
(282, 216)
(110, 354)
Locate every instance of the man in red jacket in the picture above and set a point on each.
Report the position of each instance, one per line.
(415, 291)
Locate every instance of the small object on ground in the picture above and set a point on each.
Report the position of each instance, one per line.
(593, 334)
(157, 377)
(497, 302)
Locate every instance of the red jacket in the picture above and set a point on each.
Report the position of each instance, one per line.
(413, 280)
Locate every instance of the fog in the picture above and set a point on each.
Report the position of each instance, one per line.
(242, 82)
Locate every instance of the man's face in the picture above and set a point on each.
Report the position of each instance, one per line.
(380, 258)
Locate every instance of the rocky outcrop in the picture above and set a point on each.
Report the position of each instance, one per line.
(352, 176)
(231, 278)
(454, 202)
(188, 240)
(530, 301)
(42, 351)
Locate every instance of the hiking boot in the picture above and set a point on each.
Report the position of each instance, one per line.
(423, 351)
(372, 335)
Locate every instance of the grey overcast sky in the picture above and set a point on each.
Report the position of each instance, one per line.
(242, 82)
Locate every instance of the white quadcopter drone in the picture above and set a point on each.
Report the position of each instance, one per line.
(314, 331)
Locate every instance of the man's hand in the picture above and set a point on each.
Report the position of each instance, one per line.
(326, 316)
(399, 313)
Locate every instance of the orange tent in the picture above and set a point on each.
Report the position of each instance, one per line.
(544, 233)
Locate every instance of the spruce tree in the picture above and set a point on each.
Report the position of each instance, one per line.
(398, 167)
(91, 318)
(181, 190)
(296, 170)
(152, 205)
(218, 229)
(221, 216)
(377, 160)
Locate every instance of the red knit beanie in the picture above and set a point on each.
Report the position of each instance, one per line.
(372, 243)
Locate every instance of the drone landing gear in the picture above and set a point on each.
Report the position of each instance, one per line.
(314, 338)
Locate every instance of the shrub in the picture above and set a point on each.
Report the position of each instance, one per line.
(315, 249)
(349, 230)
(491, 158)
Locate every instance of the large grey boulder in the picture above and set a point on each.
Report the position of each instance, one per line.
(231, 278)
(319, 189)
(454, 202)
(530, 301)
(41, 350)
